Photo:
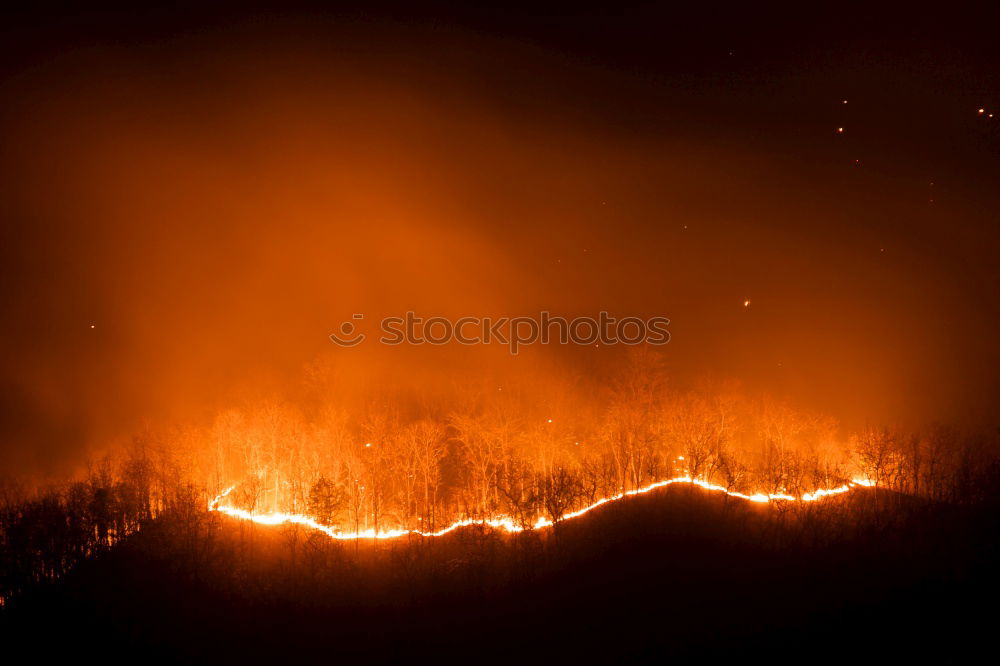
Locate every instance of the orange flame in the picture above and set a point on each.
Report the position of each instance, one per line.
(508, 524)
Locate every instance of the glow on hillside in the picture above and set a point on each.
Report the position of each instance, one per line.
(506, 523)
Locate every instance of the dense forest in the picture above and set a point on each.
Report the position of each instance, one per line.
(680, 572)
(523, 450)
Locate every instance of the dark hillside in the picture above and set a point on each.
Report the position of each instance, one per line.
(675, 573)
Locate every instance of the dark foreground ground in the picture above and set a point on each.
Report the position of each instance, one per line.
(674, 575)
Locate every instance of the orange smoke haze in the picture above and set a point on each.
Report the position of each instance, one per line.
(189, 218)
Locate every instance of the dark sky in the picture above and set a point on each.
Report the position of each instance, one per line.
(215, 190)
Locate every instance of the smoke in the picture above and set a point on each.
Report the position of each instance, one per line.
(188, 218)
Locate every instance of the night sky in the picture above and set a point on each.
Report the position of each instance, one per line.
(193, 200)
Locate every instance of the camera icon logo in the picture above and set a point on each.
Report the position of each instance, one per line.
(347, 336)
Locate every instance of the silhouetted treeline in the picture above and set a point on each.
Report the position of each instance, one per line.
(526, 450)
(675, 573)
(46, 533)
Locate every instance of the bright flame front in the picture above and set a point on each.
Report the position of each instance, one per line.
(508, 524)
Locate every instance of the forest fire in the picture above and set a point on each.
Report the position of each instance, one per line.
(508, 524)
(447, 331)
